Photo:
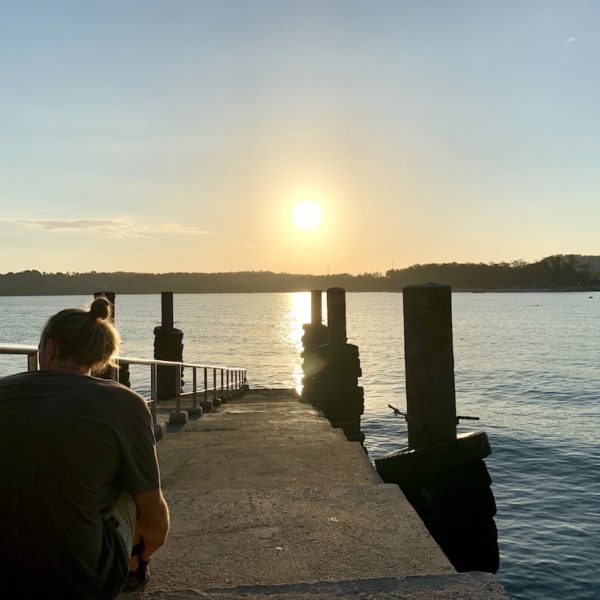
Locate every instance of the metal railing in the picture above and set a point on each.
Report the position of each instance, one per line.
(232, 379)
(30, 351)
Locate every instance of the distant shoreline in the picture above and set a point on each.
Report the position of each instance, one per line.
(559, 273)
(594, 289)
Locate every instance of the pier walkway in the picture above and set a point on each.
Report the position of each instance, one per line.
(267, 500)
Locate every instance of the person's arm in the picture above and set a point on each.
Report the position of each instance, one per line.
(152, 521)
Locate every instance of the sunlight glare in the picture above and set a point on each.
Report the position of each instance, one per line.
(298, 314)
(308, 215)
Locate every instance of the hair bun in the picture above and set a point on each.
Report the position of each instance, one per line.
(100, 308)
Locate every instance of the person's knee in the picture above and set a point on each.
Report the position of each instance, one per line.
(124, 512)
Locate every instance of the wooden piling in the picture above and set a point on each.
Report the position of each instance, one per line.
(168, 345)
(315, 334)
(122, 374)
(110, 296)
(335, 383)
(429, 359)
(166, 310)
(443, 476)
(316, 307)
(336, 316)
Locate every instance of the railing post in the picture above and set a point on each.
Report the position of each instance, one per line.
(159, 429)
(153, 390)
(179, 417)
(205, 384)
(215, 399)
(196, 410)
(178, 388)
(32, 362)
(195, 385)
(223, 399)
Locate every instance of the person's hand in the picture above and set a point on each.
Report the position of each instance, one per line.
(148, 549)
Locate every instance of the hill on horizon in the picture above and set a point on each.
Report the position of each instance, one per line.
(557, 272)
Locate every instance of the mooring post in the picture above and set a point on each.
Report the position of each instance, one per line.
(122, 375)
(316, 307)
(315, 334)
(334, 384)
(442, 475)
(429, 359)
(166, 310)
(110, 296)
(336, 316)
(168, 345)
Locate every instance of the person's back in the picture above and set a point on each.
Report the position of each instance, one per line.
(71, 446)
(71, 441)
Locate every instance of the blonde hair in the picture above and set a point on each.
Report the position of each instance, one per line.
(86, 336)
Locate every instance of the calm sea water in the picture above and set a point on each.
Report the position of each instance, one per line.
(527, 364)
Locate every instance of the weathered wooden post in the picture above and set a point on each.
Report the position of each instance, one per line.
(315, 334)
(429, 359)
(337, 391)
(168, 345)
(123, 372)
(442, 475)
(336, 316)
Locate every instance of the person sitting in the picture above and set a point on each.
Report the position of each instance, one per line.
(79, 478)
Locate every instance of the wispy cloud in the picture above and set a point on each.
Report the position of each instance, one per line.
(570, 40)
(115, 228)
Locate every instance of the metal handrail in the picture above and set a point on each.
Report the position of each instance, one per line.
(237, 374)
(30, 351)
(17, 349)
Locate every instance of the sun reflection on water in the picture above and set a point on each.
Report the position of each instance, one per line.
(297, 314)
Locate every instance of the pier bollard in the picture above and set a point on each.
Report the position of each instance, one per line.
(315, 334)
(429, 360)
(123, 372)
(442, 475)
(168, 345)
(337, 391)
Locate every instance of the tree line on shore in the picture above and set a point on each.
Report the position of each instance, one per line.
(557, 272)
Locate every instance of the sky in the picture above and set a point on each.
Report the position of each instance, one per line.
(178, 135)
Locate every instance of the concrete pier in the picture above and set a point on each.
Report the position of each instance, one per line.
(267, 500)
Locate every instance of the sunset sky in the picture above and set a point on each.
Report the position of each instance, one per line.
(182, 135)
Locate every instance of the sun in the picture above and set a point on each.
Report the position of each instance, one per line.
(307, 215)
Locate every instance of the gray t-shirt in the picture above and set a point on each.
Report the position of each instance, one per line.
(69, 445)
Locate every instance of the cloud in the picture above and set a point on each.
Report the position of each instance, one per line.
(107, 227)
(570, 40)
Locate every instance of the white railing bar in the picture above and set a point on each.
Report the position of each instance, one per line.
(29, 349)
(169, 363)
(17, 349)
(32, 364)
